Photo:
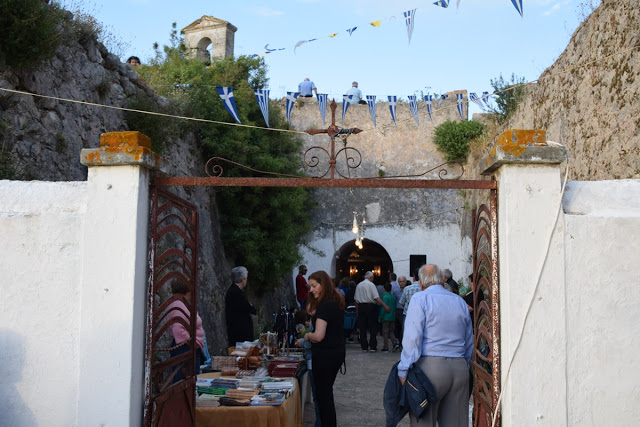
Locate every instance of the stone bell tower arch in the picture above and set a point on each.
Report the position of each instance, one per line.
(209, 31)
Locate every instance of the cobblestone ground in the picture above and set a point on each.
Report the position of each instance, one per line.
(358, 394)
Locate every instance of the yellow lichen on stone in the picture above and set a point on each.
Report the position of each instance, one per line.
(125, 139)
(94, 157)
(515, 141)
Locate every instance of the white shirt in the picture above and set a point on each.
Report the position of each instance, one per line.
(356, 94)
(366, 292)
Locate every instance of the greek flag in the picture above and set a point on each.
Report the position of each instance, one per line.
(262, 95)
(460, 106)
(474, 97)
(428, 99)
(518, 6)
(291, 100)
(226, 94)
(443, 3)
(413, 104)
(346, 101)
(322, 104)
(485, 98)
(442, 98)
(371, 100)
(408, 17)
(393, 100)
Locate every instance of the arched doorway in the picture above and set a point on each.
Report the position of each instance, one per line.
(351, 261)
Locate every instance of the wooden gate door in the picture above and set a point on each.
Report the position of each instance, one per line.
(486, 315)
(173, 259)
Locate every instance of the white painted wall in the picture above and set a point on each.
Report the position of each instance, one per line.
(442, 245)
(602, 249)
(40, 293)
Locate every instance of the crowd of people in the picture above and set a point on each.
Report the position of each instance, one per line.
(425, 319)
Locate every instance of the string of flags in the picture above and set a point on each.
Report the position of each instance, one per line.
(262, 97)
(409, 19)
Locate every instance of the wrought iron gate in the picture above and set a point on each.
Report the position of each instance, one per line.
(486, 314)
(173, 259)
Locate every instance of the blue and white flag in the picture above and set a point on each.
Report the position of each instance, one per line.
(474, 97)
(183, 85)
(518, 6)
(442, 98)
(460, 105)
(442, 3)
(351, 30)
(300, 43)
(429, 99)
(393, 101)
(262, 95)
(408, 18)
(226, 94)
(291, 101)
(413, 104)
(485, 98)
(346, 101)
(371, 100)
(322, 104)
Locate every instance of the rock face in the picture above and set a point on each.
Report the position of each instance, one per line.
(589, 99)
(41, 138)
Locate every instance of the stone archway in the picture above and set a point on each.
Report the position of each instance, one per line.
(203, 51)
(351, 261)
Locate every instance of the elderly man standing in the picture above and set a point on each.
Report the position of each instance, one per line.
(438, 339)
(366, 298)
(238, 309)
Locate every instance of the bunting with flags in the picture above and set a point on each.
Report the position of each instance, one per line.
(351, 30)
(262, 95)
(474, 97)
(393, 100)
(371, 100)
(485, 98)
(442, 3)
(413, 104)
(291, 100)
(442, 98)
(375, 23)
(429, 99)
(322, 104)
(460, 106)
(226, 94)
(518, 5)
(300, 43)
(346, 101)
(409, 17)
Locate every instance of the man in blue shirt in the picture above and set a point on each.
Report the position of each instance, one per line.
(356, 94)
(306, 88)
(438, 338)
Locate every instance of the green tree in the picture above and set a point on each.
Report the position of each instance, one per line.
(508, 94)
(261, 227)
(453, 138)
(28, 31)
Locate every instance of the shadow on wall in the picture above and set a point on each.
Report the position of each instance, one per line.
(14, 411)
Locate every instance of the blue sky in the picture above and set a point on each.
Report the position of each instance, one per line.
(450, 49)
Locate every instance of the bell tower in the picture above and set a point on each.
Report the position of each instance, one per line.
(209, 38)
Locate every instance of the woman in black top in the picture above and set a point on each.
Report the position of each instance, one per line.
(327, 341)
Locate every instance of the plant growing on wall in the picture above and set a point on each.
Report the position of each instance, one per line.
(453, 138)
(261, 227)
(508, 95)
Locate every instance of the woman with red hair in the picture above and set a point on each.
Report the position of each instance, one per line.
(327, 341)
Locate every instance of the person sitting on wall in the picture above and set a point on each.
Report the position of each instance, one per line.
(181, 336)
(306, 88)
(356, 94)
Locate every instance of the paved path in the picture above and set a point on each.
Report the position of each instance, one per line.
(358, 394)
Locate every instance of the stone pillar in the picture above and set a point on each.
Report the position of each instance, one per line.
(114, 274)
(529, 183)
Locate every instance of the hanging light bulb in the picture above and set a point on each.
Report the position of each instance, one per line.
(355, 224)
(358, 242)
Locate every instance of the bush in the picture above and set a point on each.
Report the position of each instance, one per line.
(29, 31)
(453, 138)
